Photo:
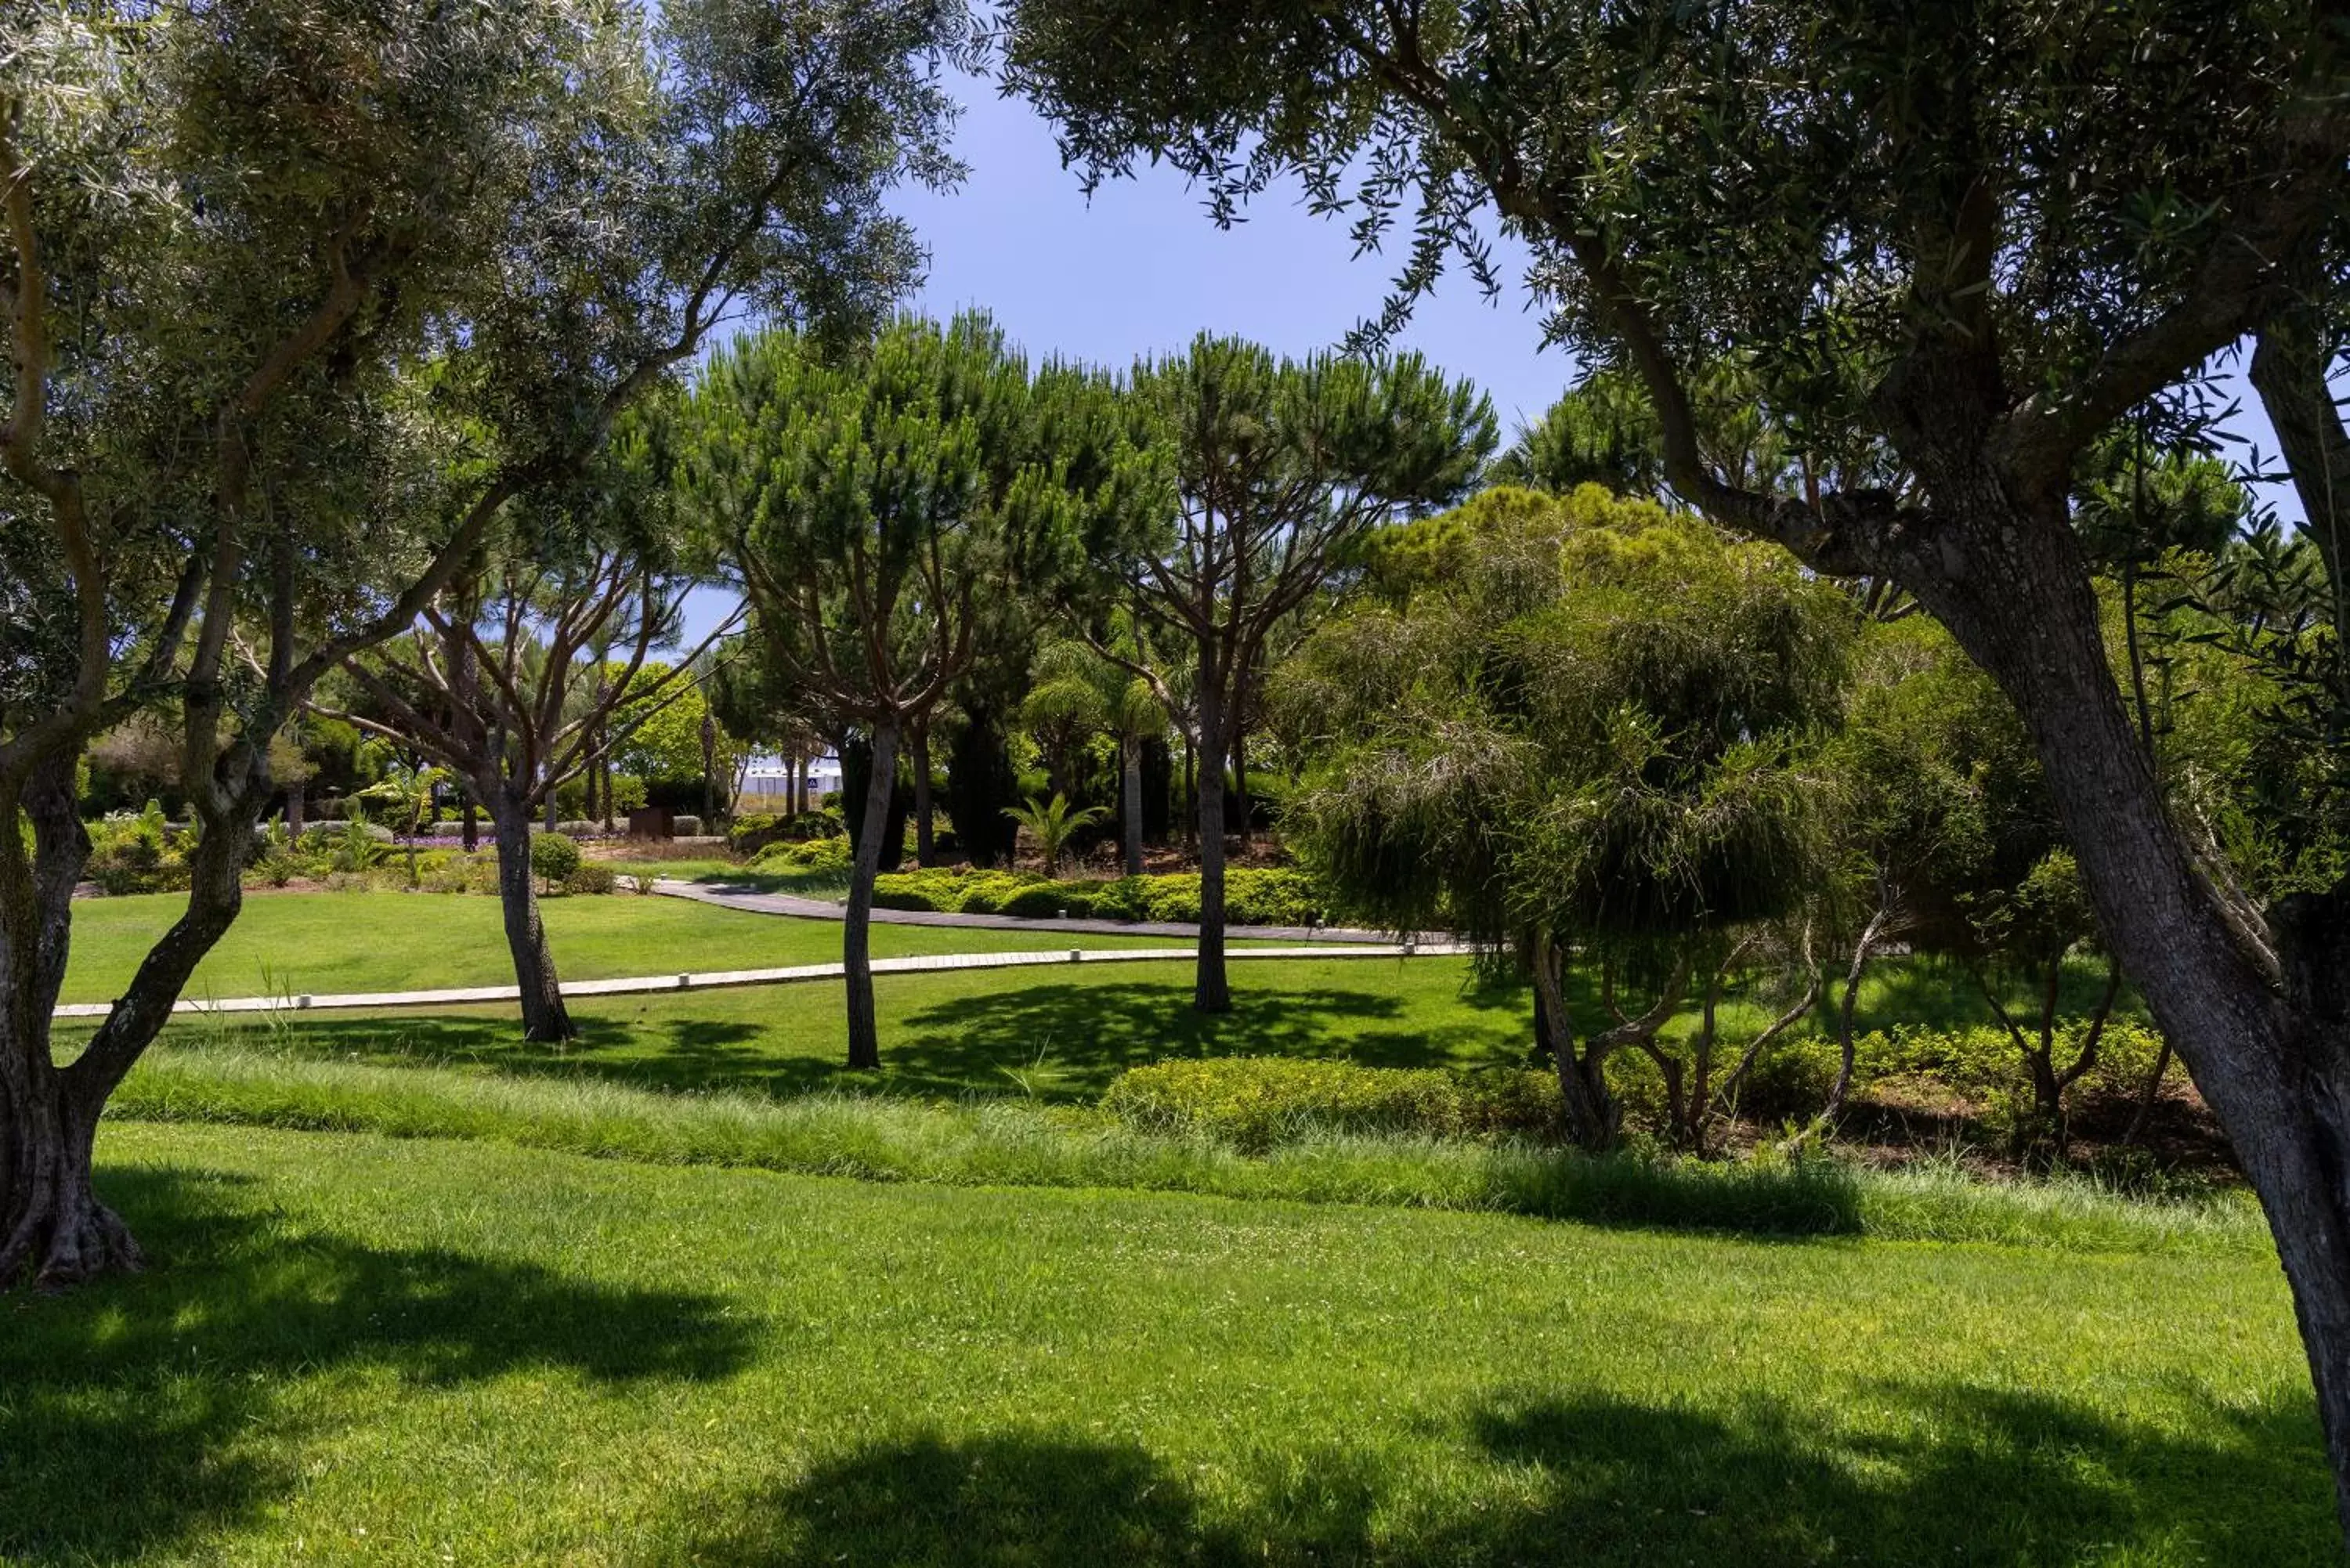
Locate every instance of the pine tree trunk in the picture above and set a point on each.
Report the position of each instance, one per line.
(919, 750)
(857, 929)
(1131, 759)
(545, 1018)
(1211, 989)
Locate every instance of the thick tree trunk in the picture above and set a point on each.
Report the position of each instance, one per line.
(294, 793)
(1129, 749)
(472, 827)
(919, 754)
(2272, 1061)
(545, 1018)
(1211, 988)
(857, 929)
(52, 1223)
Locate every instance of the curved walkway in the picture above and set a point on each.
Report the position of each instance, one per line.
(732, 897)
(717, 980)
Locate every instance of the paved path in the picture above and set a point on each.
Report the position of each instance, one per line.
(727, 896)
(721, 979)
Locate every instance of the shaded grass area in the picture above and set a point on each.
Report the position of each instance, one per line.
(358, 941)
(358, 1350)
(1002, 1143)
(1050, 1033)
(1046, 1033)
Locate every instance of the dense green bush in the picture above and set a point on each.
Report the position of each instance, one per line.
(553, 856)
(590, 876)
(1257, 1103)
(135, 852)
(1251, 897)
(685, 826)
(751, 834)
(829, 855)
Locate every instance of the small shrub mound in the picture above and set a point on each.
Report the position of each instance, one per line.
(554, 855)
(749, 834)
(1251, 897)
(831, 855)
(1258, 1103)
(590, 876)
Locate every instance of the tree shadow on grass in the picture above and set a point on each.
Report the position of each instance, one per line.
(140, 1414)
(1088, 1034)
(1998, 1479)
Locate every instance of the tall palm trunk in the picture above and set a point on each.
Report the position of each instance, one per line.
(1130, 765)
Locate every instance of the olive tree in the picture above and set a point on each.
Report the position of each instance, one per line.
(1983, 233)
(297, 296)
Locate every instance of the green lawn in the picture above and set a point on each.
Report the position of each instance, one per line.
(363, 1351)
(1056, 1034)
(324, 942)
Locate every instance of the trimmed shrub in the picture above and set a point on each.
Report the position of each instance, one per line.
(685, 826)
(829, 855)
(553, 856)
(1257, 1103)
(751, 834)
(590, 876)
(1045, 900)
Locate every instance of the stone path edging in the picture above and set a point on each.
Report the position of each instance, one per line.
(717, 980)
(730, 897)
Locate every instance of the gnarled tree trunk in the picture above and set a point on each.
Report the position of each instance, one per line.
(53, 1225)
(857, 929)
(545, 1018)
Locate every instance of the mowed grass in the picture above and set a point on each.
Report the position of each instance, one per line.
(287, 943)
(1050, 1033)
(356, 1350)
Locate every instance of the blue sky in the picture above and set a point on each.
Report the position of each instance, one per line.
(1140, 268)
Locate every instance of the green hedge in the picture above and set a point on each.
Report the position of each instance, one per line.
(1251, 897)
(1257, 1103)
